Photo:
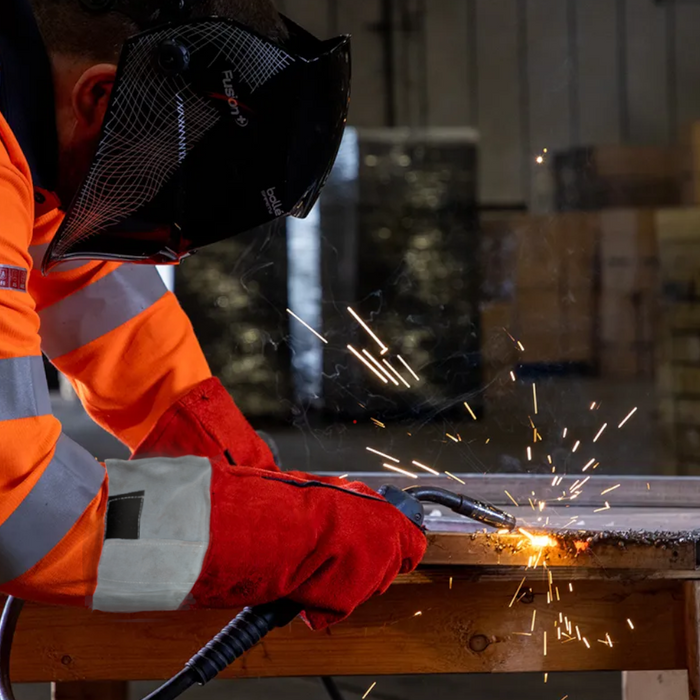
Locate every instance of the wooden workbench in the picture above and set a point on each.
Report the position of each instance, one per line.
(635, 563)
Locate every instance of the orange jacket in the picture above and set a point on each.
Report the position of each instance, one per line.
(128, 349)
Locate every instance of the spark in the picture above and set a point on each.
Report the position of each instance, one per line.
(592, 406)
(452, 437)
(538, 540)
(418, 614)
(512, 375)
(629, 622)
(382, 454)
(544, 643)
(488, 440)
(565, 697)
(559, 633)
(390, 366)
(600, 432)
(400, 471)
(627, 417)
(532, 503)
(571, 587)
(546, 675)
(549, 597)
(578, 633)
(585, 641)
(556, 590)
(450, 582)
(549, 459)
(554, 481)
(539, 160)
(588, 465)
(362, 359)
(369, 330)
(378, 423)
(344, 476)
(521, 346)
(534, 396)
(369, 690)
(427, 468)
(304, 323)
(648, 487)
(563, 435)
(523, 634)
(471, 413)
(515, 595)
(541, 505)
(529, 454)
(612, 488)
(606, 507)
(379, 367)
(456, 478)
(532, 624)
(575, 447)
(405, 364)
(607, 636)
(511, 498)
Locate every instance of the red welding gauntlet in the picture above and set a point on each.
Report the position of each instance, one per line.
(207, 423)
(324, 543)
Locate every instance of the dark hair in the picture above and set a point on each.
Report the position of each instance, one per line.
(68, 28)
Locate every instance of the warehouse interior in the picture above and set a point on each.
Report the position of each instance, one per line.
(515, 212)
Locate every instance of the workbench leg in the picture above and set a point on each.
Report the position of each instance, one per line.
(691, 591)
(90, 690)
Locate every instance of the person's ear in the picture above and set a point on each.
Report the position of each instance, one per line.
(91, 95)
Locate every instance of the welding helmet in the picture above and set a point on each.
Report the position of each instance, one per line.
(211, 130)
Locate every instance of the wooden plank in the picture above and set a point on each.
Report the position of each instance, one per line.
(467, 630)
(498, 98)
(361, 19)
(661, 492)
(598, 93)
(448, 63)
(91, 690)
(691, 590)
(687, 61)
(655, 685)
(647, 72)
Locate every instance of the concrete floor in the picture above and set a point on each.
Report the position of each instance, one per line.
(579, 686)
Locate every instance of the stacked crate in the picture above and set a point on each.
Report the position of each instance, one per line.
(628, 305)
(555, 287)
(678, 379)
(600, 177)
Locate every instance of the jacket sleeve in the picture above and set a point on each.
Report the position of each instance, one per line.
(53, 493)
(120, 337)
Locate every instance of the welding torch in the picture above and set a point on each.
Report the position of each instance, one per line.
(252, 624)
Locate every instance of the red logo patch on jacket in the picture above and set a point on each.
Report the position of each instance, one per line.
(13, 278)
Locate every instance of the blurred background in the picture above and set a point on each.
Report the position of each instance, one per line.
(515, 214)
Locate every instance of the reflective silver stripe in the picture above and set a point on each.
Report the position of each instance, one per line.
(69, 483)
(158, 570)
(25, 392)
(99, 308)
(38, 251)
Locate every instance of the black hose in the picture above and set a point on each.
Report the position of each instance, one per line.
(238, 637)
(8, 624)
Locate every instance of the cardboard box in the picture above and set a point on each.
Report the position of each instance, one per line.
(627, 360)
(600, 177)
(558, 251)
(628, 318)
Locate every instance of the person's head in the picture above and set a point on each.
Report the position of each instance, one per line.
(84, 51)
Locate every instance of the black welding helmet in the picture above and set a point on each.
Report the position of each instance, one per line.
(211, 130)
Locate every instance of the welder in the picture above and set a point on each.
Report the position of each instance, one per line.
(136, 131)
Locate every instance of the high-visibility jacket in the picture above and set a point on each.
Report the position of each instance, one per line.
(128, 349)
